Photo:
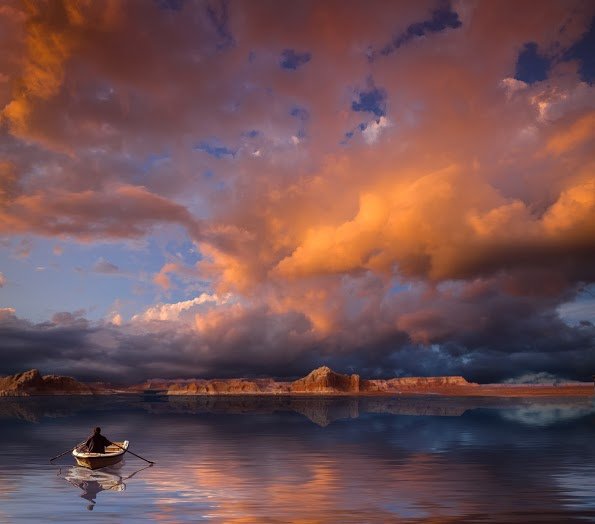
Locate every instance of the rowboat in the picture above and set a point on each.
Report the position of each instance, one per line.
(113, 455)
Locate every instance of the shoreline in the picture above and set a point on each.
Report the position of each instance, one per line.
(320, 382)
(469, 392)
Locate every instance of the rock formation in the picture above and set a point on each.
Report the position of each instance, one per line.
(325, 380)
(32, 383)
(321, 381)
(414, 384)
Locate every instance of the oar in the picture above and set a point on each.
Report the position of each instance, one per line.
(137, 471)
(138, 456)
(68, 451)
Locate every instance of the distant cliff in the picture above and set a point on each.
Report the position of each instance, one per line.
(321, 381)
(415, 384)
(32, 383)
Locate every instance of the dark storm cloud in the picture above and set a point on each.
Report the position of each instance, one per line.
(71, 345)
(492, 338)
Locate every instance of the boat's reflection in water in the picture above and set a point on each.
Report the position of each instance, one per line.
(93, 482)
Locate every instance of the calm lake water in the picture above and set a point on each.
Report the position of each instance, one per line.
(303, 460)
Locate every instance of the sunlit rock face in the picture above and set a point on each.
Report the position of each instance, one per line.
(414, 384)
(33, 383)
(325, 380)
(226, 387)
(321, 381)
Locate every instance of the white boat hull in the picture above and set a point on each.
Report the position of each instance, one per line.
(113, 455)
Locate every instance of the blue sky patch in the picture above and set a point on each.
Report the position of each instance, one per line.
(215, 148)
(584, 51)
(531, 67)
(218, 15)
(361, 127)
(300, 113)
(372, 101)
(154, 161)
(290, 59)
(170, 5)
(442, 18)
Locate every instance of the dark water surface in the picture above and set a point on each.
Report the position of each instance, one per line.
(303, 460)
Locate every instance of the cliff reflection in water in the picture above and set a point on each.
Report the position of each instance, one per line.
(324, 460)
(320, 410)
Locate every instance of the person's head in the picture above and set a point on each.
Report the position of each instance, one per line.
(97, 430)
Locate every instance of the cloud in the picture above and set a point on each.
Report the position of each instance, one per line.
(374, 128)
(2, 280)
(124, 211)
(576, 134)
(172, 312)
(534, 378)
(228, 339)
(103, 266)
(116, 319)
(448, 225)
(512, 85)
(578, 311)
(445, 240)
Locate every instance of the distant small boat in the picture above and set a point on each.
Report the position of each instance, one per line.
(113, 455)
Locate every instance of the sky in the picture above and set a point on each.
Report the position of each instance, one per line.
(216, 189)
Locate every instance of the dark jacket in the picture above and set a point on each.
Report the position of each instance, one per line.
(96, 443)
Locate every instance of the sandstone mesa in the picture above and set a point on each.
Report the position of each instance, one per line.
(321, 381)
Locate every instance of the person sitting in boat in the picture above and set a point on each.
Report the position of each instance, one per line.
(96, 443)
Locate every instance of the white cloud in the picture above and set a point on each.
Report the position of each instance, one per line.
(172, 312)
(116, 319)
(512, 85)
(373, 129)
(554, 103)
(6, 312)
(577, 311)
(534, 378)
